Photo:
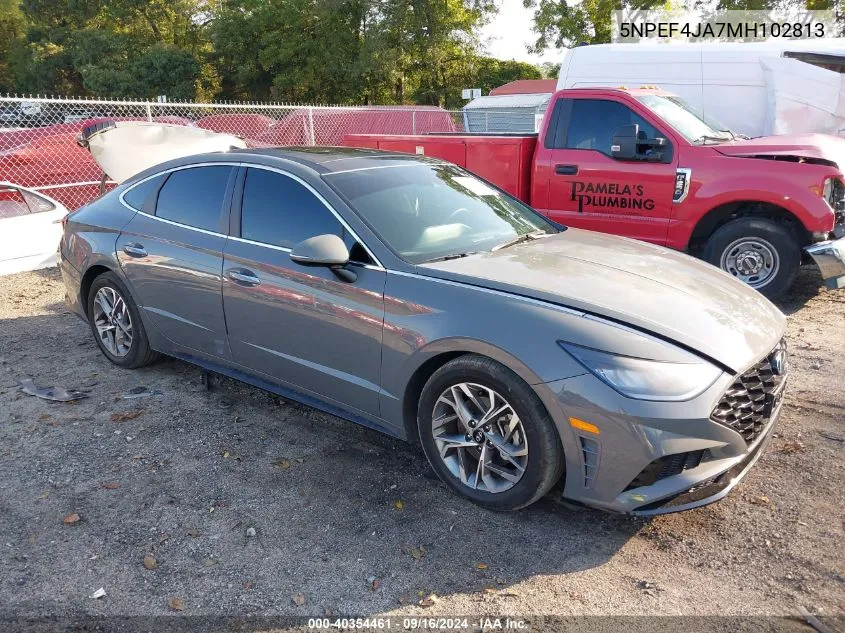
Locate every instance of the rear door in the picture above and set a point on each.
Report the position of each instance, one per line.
(172, 254)
(301, 325)
(588, 188)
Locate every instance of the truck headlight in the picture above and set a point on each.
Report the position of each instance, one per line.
(644, 379)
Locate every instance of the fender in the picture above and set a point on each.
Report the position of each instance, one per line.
(808, 208)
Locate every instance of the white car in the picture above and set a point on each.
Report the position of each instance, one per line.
(30, 229)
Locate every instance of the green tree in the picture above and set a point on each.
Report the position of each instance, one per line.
(564, 23)
(491, 73)
(123, 48)
(12, 28)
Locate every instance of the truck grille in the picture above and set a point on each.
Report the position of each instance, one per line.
(749, 403)
(837, 202)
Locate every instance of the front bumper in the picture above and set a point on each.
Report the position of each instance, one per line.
(830, 258)
(653, 458)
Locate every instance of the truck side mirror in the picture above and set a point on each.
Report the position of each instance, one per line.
(624, 144)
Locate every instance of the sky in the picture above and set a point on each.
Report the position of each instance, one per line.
(510, 32)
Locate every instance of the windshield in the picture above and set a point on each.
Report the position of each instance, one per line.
(684, 120)
(425, 211)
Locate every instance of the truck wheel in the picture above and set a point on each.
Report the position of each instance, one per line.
(757, 251)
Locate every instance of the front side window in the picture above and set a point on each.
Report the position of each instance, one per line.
(194, 196)
(281, 211)
(429, 211)
(593, 123)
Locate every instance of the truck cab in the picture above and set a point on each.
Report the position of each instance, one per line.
(640, 163)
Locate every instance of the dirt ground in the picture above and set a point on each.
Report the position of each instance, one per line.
(234, 502)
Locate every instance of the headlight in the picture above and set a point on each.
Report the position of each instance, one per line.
(643, 379)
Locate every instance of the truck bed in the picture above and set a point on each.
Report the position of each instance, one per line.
(502, 159)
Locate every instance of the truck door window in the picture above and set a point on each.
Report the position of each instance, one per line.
(593, 123)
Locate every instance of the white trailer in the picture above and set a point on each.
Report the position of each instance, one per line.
(755, 88)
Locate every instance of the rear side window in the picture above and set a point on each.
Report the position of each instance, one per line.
(137, 195)
(593, 123)
(280, 211)
(194, 197)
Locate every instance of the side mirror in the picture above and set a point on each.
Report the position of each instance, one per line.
(624, 144)
(324, 250)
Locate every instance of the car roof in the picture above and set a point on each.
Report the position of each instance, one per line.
(326, 160)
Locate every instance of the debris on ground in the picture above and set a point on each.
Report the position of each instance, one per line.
(250, 532)
(298, 599)
(72, 518)
(141, 392)
(150, 562)
(100, 593)
(176, 604)
(55, 394)
(126, 415)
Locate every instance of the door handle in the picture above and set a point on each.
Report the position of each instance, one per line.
(566, 170)
(133, 249)
(243, 277)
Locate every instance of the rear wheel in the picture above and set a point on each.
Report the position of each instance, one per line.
(487, 435)
(116, 323)
(757, 251)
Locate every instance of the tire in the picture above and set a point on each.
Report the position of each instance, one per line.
(752, 242)
(535, 433)
(134, 353)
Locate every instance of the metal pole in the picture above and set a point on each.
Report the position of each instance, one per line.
(149, 113)
(311, 125)
(413, 121)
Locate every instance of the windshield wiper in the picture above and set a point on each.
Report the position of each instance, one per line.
(709, 137)
(519, 239)
(445, 258)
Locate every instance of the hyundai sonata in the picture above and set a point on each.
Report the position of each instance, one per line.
(405, 294)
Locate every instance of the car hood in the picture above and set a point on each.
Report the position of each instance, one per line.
(807, 146)
(125, 148)
(648, 287)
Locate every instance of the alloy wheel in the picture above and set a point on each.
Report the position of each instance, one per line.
(480, 437)
(113, 322)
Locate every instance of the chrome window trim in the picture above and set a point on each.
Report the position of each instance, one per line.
(378, 265)
(349, 171)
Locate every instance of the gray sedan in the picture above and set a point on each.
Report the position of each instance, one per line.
(405, 294)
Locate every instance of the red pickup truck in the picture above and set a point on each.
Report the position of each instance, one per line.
(642, 164)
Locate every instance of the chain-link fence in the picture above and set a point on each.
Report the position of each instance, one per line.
(38, 147)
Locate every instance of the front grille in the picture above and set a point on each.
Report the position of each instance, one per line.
(667, 467)
(749, 403)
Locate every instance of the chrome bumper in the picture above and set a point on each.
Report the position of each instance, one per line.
(830, 258)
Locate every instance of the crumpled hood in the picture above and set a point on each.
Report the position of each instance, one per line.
(811, 146)
(649, 287)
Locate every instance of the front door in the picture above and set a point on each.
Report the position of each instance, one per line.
(301, 325)
(590, 189)
(172, 254)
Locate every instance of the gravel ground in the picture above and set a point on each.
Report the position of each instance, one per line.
(234, 502)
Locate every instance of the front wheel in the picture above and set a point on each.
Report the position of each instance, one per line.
(487, 435)
(758, 251)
